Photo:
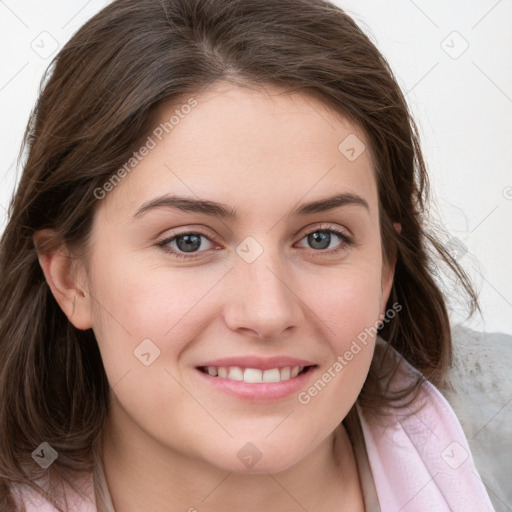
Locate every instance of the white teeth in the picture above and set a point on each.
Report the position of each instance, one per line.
(254, 375)
(285, 373)
(235, 373)
(273, 375)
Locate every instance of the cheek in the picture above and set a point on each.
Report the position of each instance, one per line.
(139, 327)
(349, 301)
(143, 301)
(350, 308)
(134, 303)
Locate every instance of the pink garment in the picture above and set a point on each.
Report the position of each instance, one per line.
(423, 463)
(419, 464)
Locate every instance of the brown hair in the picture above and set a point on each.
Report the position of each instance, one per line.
(96, 99)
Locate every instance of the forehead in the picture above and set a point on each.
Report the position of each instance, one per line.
(256, 148)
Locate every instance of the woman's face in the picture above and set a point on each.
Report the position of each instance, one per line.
(261, 292)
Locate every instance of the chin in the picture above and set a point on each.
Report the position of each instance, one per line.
(258, 457)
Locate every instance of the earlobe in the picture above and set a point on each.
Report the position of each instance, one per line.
(61, 277)
(386, 286)
(387, 281)
(388, 277)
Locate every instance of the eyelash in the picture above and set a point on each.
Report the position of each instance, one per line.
(346, 241)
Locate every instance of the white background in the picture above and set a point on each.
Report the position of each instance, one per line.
(462, 103)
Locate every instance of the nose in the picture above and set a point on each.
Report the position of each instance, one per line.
(263, 300)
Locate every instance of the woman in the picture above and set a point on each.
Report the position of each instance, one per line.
(216, 281)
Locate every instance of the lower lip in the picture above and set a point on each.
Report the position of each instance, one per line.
(260, 391)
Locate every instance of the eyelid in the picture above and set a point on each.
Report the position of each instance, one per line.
(321, 227)
(171, 233)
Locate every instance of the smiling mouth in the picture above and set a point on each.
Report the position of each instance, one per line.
(255, 375)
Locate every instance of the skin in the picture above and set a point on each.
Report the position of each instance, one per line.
(170, 437)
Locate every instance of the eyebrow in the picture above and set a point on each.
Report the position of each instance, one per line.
(221, 210)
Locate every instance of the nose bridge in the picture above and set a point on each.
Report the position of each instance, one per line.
(260, 268)
(263, 300)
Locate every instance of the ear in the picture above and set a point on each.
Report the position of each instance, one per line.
(63, 280)
(388, 274)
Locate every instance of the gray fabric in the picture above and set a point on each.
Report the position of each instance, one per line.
(481, 396)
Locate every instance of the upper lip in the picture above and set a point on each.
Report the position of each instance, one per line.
(258, 362)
